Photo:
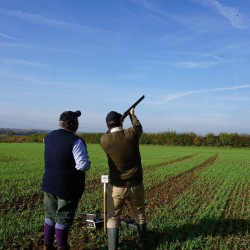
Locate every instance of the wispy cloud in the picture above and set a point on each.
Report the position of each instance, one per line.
(40, 19)
(153, 11)
(22, 62)
(9, 37)
(175, 96)
(177, 37)
(204, 60)
(232, 14)
(40, 81)
(194, 65)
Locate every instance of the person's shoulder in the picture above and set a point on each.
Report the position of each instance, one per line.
(60, 130)
(52, 132)
(78, 141)
(104, 138)
(105, 135)
(134, 130)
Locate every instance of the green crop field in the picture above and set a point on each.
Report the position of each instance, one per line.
(196, 198)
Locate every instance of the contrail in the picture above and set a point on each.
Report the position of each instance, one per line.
(172, 97)
(9, 37)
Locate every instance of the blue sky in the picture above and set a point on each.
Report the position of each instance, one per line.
(190, 58)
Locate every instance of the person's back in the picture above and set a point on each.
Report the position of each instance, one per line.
(125, 173)
(61, 178)
(66, 161)
(124, 159)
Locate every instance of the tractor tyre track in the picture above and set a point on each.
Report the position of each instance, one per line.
(170, 189)
(173, 187)
(93, 185)
(161, 164)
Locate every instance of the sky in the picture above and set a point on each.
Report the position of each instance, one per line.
(190, 58)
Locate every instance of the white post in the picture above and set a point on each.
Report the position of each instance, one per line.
(105, 180)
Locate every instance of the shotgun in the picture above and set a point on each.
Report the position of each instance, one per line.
(126, 113)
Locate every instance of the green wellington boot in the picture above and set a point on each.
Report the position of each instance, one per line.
(113, 238)
(141, 240)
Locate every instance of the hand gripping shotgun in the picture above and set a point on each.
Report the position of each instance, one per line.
(127, 112)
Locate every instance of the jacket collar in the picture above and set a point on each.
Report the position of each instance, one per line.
(116, 129)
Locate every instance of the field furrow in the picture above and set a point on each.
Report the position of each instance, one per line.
(167, 163)
(196, 198)
(167, 191)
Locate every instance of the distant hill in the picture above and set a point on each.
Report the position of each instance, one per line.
(13, 131)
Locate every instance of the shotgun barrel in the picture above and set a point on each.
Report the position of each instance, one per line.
(126, 113)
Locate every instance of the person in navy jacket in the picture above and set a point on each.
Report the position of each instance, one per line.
(66, 161)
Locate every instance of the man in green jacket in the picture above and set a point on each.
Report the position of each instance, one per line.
(125, 173)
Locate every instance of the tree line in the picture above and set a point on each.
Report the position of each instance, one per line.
(171, 138)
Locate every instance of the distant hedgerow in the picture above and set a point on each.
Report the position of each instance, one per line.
(170, 138)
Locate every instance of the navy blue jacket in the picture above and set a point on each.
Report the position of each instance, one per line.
(61, 178)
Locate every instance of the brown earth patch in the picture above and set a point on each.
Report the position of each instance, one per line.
(21, 203)
(170, 189)
(158, 165)
(92, 185)
(173, 187)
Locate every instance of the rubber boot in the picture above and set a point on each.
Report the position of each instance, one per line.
(49, 232)
(113, 238)
(62, 239)
(141, 240)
